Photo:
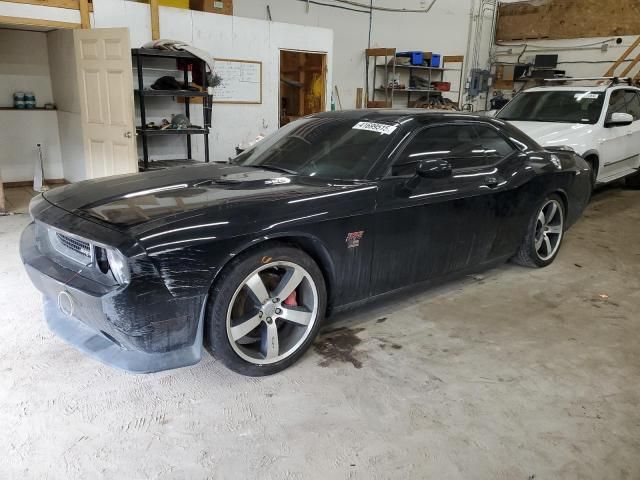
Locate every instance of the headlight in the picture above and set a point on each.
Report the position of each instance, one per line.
(118, 265)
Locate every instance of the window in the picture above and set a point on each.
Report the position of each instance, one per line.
(494, 145)
(565, 106)
(464, 146)
(329, 147)
(624, 101)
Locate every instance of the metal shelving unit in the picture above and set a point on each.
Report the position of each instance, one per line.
(433, 74)
(142, 94)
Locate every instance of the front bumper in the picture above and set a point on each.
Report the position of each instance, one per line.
(140, 328)
(107, 351)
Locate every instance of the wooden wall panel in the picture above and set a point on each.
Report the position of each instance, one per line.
(562, 19)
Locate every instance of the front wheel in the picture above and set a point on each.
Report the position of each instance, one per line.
(266, 310)
(544, 234)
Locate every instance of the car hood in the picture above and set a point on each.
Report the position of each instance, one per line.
(126, 201)
(550, 134)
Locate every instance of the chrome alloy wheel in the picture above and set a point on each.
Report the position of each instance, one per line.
(272, 312)
(549, 229)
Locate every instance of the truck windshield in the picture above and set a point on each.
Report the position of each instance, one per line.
(565, 106)
(330, 147)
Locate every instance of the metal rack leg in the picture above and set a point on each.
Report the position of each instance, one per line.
(186, 110)
(206, 111)
(143, 115)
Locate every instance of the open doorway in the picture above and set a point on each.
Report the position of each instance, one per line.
(303, 83)
(62, 91)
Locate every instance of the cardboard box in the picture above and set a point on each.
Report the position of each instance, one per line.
(170, 3)
(225, 7)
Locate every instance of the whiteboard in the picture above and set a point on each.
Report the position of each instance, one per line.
(241, 81)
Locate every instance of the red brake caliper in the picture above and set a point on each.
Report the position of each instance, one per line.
(291, 301)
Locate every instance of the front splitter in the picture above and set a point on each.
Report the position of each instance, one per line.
(99, 347)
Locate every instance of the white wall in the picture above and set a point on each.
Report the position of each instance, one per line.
(65, 90)
(20, 130)
(222, 36)
(24, 66)
(442, 30)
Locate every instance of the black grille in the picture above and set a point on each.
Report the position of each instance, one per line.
(78, 246)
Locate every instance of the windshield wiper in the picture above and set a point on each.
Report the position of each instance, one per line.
(272, 168)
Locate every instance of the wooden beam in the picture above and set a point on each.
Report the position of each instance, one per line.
(359, 92)
(627, 52)
(155, 20)
(453, 58)
(36, 22)
(70, 4)
(380, 52)
(85, 22)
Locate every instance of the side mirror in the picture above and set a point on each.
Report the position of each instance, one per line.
(619, 119)
(437, 168)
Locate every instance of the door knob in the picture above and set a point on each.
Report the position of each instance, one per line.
(127, 135)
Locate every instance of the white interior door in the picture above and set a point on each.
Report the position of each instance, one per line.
(103, 59)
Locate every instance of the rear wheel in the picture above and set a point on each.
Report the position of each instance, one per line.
(544, 234)
(266, 310)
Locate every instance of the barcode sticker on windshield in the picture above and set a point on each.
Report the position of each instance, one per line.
(581, 96)
(375, 127)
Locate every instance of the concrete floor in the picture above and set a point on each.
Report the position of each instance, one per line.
(514, 374)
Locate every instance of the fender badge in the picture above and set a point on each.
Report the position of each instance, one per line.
(65, 303)
(353, 239)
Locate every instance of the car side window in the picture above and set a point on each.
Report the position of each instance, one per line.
(459, 144)
(494, 145)
(624, 101)
(633, 104)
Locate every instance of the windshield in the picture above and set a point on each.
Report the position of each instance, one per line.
(337, 148)
(566, 106)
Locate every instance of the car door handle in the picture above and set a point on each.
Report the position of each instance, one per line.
(491, 182)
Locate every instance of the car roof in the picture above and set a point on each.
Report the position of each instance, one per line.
(579, 88)
(398, 115)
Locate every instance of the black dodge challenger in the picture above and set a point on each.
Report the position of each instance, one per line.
(141, 271)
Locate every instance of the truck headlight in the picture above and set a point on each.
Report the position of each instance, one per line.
(118, 265)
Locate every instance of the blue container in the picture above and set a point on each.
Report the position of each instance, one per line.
(416, 58)
(436, 60)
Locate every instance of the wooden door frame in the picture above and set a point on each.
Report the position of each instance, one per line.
(324, 72)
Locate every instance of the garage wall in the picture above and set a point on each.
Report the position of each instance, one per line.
(24, 66)
(225, 37)
(442, 30)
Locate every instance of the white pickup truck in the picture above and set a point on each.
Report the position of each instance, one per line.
(600, 123)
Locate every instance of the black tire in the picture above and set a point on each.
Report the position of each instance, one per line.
(230, 282)
(528, 255)
(633, 181)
